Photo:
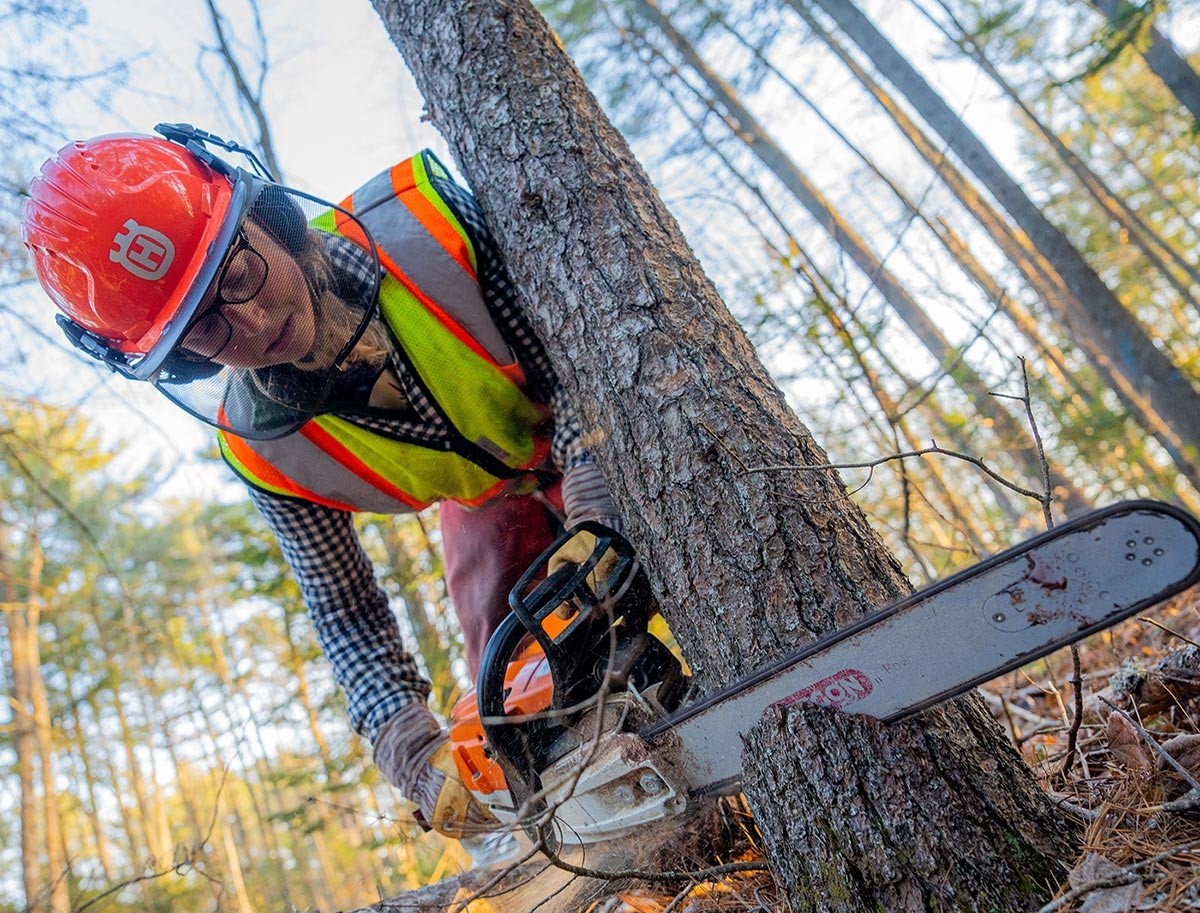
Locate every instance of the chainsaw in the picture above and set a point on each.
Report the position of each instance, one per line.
(582, 729)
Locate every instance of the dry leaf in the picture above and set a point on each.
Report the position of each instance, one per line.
(641, 903)
(1127, 746)
(1096, 869)
(1185, 749)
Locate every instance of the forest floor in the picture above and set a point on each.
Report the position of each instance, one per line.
(1130, 771)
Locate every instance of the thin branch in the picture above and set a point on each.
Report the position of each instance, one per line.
(1126, 876)
(871, 464)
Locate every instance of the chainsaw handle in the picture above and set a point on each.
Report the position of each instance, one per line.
(597, 642)
(509, 743)
(533, 603)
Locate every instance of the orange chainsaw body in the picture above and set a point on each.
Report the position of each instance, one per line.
(529, 689)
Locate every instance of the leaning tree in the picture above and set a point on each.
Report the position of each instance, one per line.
(751, 549)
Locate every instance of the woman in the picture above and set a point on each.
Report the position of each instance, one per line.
(366, 356)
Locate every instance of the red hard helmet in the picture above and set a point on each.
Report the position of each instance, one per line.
(120, 229)
(128, 234)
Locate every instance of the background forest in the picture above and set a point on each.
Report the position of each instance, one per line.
(914, 207)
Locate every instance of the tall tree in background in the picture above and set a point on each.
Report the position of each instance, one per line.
(1012, 436)
(32, 493)
(749, 557)
(1133, 25)
(1148, 383)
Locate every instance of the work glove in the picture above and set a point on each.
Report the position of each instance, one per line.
(576, 551)
(413, 752)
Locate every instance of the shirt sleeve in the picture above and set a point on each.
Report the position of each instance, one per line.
(350, 613)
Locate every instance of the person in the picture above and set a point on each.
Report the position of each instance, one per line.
(364, 356)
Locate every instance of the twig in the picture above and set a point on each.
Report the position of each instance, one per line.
(1067, 804)
(871, 464)
(1171, 631)
(1047, 498)
(1073, 733)
(678, 899)
(696, 875)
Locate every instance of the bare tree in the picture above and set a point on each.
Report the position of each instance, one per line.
(1128, 20)
(1153, 388)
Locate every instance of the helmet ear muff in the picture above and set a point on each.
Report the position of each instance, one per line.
(281, 217)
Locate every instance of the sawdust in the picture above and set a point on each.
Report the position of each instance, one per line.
(723, 832)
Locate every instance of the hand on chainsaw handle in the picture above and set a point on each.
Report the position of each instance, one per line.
(413, 752)
(577, 550)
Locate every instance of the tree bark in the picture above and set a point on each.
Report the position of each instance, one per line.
(747, 564)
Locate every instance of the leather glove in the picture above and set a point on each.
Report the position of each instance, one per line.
(413, 752)
(577, 550)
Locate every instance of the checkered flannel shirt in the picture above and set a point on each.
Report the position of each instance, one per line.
(350, 613)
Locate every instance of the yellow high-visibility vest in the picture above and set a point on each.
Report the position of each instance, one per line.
(429, 297)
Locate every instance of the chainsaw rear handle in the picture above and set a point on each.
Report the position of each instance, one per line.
(533, 602)
(584, 641)
(509, 745)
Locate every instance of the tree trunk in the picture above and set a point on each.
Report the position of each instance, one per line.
(79, 740)
(263, 794)
(1049, 356)
(232, 852)
(57, 888)
(24, 741)
(819, 285)
(1152, 388)
(746, 564)
(1154, 248)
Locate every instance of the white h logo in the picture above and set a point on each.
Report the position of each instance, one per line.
(142, 250)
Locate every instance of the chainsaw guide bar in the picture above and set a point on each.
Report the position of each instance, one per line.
(991, 618)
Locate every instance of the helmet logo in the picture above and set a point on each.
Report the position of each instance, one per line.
(144, 251)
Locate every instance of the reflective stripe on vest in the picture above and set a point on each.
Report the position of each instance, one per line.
(434, 308)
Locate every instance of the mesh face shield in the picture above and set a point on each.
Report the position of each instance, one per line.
(265, 340)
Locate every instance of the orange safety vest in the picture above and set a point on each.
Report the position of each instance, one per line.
(430, 299)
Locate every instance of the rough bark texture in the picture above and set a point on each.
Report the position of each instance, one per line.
(746, 563)
(902, 818)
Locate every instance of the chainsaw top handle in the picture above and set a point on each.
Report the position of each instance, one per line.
(534, 599)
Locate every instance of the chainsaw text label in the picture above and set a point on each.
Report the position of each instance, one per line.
(835, 691)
